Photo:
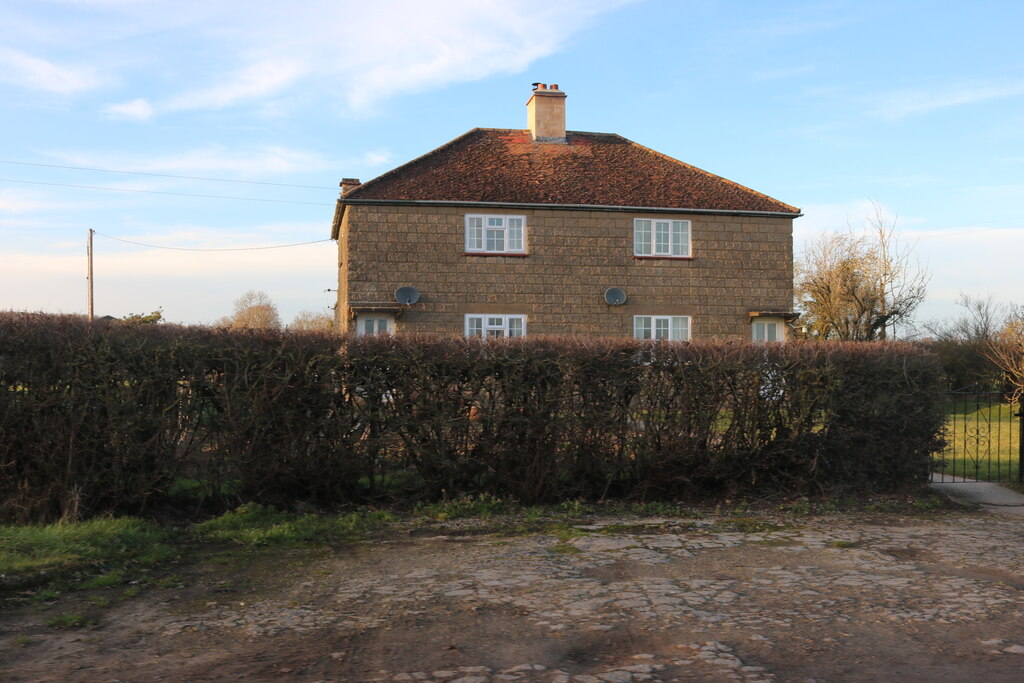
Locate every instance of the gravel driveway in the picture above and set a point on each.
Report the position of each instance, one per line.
(837, 598)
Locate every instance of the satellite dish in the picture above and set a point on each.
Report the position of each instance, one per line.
(615, 296)
(407, 296)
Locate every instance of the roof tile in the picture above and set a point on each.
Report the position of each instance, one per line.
(596, 169)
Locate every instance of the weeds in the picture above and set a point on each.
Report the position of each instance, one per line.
(67, 621)
(260, 525)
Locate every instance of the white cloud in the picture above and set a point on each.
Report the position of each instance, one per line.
(353, 52)
(253, 82)
(824, 218)
(137, 109)
(377, 157)
(212, 159)
(35, 73)
(13, 201)
(904, 103)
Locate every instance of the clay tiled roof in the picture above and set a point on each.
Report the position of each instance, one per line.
(596, 169)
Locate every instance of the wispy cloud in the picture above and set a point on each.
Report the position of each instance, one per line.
(911, 102)
(35, 73)
(252, 82)
(138, 109)
(270, 160)
(353, 53)
(14, 201)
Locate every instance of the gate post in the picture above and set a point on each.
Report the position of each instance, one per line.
(1020, 440)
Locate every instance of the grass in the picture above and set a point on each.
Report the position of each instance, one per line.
(67, 621)
(104, 561)
(84, 547)
(982, 440)
(260, 525)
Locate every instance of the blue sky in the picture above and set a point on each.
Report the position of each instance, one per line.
(828, 106)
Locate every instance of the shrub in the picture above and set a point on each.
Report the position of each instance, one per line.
(107, 418)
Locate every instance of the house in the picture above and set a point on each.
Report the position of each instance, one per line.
(548, 231)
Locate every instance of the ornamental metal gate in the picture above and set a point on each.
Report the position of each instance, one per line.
(983, 439)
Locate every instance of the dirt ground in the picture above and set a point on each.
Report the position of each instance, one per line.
(839, 598)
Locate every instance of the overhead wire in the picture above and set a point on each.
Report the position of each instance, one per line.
(157, 246)
(173, 194)
(164, 175)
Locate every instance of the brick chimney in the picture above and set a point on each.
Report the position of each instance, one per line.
(545, 113)
(349, 184)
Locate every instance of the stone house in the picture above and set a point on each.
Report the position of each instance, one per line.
(548, 231)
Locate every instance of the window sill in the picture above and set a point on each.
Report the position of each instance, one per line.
(515, 254)
(663, 258)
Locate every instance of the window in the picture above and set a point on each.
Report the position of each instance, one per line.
(494, 326)
(371, 324)
(667, 327)
(489, 234)
(766, 332)
(652, 237)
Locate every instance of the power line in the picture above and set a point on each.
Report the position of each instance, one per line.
(157, 246)
(172, 194)
(164, 175)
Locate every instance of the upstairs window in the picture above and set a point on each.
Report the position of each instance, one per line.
(495, 326)
(490, 234)
(653, 237)
(663, 327)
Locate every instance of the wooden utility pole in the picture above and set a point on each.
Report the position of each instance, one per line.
(89, 276)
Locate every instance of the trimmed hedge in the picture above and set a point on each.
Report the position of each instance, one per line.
(108, 417)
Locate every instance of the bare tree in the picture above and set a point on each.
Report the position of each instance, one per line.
(859, 287)
(964, 344)
(1007, 349)
(255, 310)
(312, 321)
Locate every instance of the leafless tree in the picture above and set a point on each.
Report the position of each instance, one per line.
(255, 310)
(858, 287)
(312, 321)
(964, 344)
(1007, 349)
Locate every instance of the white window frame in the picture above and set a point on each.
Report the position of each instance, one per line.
(488, 233)
(375, 319)
(662, 238)
(672, 327)
(483, 324)
(760, 335)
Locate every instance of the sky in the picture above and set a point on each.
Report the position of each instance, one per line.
(178, 129)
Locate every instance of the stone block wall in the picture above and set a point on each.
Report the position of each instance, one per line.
(738, 264)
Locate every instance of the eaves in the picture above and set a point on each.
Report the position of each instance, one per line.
(339, 210)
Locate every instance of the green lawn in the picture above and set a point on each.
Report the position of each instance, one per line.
(983, 440)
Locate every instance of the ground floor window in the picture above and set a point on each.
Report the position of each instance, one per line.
(666, 327)
(493, 326)
(767, 332)
(374, 323)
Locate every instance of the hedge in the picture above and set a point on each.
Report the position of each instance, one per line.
(106, 417)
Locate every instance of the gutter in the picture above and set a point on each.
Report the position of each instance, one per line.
(339, 210)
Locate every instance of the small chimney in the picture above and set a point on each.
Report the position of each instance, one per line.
(545, 113)
(349, 184)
